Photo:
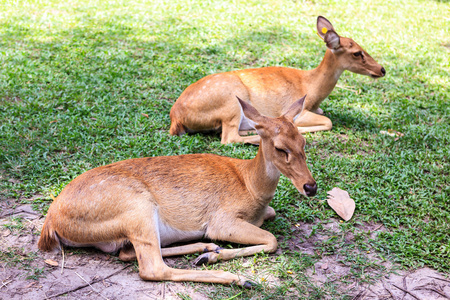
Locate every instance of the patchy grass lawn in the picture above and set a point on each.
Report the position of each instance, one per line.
(88, 83)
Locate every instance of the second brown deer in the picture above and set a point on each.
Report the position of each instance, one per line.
(209, 104)
(140, 206)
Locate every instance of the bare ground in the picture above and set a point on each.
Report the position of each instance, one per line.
(24, 274)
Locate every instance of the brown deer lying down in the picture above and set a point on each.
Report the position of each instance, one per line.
(209, 104)
(139, 206)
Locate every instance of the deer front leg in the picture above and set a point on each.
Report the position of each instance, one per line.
(312, 122)
(128, 253)
(152, 267)
(240, 232)
(189, 249)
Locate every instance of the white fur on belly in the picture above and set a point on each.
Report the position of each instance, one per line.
(169, 235)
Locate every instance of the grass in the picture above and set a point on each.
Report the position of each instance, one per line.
(78, 80)
(14, 256)
(15, 224)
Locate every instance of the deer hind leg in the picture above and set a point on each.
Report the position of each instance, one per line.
(312, 122)
(240, 232)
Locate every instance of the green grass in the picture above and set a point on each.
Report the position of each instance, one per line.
(18, 257)
(15, 224)
(76, 79)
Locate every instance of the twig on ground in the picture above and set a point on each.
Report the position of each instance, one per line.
(360, 295)
(62, 263)
(17, 212)
(443, 279)
(378, 227)
(85, 285)
(151, 297)
(404, 285)
(442, 293)
(406, 292)
(91, 286)
(387, 289)
(150, 294)
(5, 283)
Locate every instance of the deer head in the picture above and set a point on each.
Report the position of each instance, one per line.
(283, 146)
(349, 55)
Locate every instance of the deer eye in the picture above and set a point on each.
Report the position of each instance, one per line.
(357, 54)
(283, 152)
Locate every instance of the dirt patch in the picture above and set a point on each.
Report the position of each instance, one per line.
(386, 281)
(24, 274)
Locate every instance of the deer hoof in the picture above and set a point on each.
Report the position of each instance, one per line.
(206, 258)
(249, 285)
(211, 247)
(201, 260)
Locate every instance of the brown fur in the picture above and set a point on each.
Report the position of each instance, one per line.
(210, 103)
(153, 202)
(48, 240)
(176, 128)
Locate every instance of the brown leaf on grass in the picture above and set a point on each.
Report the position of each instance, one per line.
(51, 262)
(341, 203)
(145, 115)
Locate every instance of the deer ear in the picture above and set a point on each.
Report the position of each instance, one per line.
(332, 40)
(295, 109)
(252, 116)
(323, 26)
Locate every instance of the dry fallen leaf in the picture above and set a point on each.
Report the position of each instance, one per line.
(341, 203)
(387, 133)
(145, 115)
(51, 262)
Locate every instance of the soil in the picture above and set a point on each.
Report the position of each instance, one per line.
(25, 274)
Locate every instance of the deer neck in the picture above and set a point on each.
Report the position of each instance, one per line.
(261, 177)
(322, 80)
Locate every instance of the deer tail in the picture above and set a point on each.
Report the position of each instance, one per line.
(48, 240)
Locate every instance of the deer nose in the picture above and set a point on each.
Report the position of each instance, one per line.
(310, 189)
(383, 71)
